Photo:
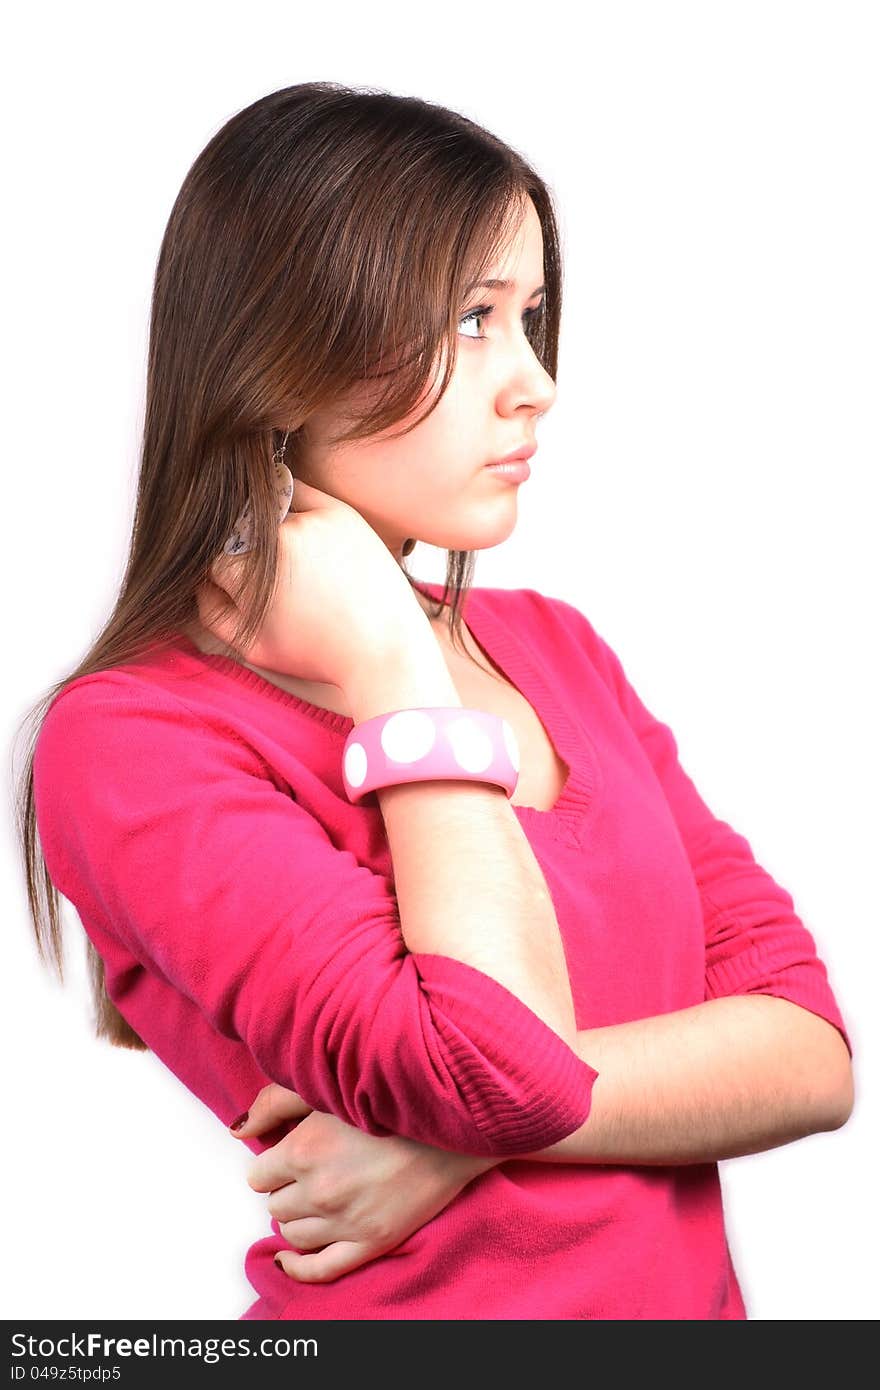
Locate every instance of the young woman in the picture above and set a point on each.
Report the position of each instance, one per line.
(438, 893)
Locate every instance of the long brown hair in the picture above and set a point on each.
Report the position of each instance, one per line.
(324, 235)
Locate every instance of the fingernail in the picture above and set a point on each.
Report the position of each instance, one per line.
(277, 1259)
(240, 1120)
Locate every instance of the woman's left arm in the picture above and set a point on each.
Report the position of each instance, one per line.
(727, 1077)
(731, 1076)
(765, 1057)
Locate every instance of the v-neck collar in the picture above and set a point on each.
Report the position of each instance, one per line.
(494, 631)
(568, 818)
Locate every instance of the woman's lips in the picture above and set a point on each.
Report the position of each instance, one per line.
(516, 472)
(525, 452)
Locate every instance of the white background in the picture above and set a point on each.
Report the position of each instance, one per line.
(703, 492)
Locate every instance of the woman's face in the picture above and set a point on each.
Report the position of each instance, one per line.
(433, 484)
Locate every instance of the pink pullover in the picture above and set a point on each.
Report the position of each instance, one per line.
(194, 815)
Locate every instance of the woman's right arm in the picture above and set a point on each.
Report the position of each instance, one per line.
(191, 861)
(468, 883)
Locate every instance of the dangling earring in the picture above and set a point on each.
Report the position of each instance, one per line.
(278, 456)
(408, 547)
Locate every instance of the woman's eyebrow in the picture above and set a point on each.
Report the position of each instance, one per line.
(501, 285)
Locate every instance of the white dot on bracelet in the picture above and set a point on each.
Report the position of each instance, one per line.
(471, 747)
(408, 735)
(356, 764)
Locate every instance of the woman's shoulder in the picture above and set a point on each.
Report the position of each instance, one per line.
(556, 630)
(163, 693)
(148, 678)
(525, 602)
(541, 613)
(105, 728)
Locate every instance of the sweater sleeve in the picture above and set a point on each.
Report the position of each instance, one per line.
(755, 941)
(168, 830)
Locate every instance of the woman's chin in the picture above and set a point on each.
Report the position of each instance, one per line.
(482, 537)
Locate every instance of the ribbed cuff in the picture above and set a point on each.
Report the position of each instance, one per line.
(754, 971)
(524, 1088)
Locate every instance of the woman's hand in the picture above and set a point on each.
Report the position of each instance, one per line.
(342, 1194)
(340, 597)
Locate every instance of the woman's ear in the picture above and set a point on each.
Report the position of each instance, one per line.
(218, 598)
(217, 612)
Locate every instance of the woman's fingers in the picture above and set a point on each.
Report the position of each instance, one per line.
(270, 1107)
(310, 1233)
(339, 1258)
(276, 1167)
(289, 1203)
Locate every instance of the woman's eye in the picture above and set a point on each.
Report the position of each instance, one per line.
(483, 311)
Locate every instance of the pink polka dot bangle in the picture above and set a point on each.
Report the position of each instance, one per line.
(419, 745)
